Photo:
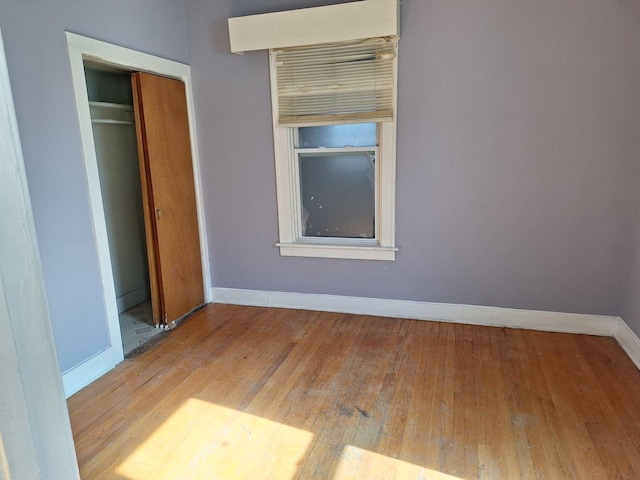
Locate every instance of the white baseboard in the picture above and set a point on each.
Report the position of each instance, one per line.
(82, 375)
(629, 341)
(601, 325)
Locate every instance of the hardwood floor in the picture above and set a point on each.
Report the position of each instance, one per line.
(244, 392)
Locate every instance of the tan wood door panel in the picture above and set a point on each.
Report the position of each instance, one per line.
(173, 242)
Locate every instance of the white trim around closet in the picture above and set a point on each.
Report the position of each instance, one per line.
(80, 49)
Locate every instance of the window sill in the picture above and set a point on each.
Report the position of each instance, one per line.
(354, 252)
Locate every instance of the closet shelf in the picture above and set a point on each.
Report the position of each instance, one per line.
(112, 106)
(113, 113)
(113, 122)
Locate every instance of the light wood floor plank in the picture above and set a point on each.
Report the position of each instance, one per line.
(248, 392)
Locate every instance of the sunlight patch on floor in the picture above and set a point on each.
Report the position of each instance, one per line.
(203, 440)
(356, 463)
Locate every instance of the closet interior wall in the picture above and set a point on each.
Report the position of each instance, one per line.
(111, 105)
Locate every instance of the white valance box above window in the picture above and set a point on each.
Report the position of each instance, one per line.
(314, 26)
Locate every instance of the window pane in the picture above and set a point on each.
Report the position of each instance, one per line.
(338, 194)
(337, 136)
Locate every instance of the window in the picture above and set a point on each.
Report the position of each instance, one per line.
(336, 171)
(334, 131)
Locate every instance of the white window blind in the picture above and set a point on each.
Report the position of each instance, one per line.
(335, 83)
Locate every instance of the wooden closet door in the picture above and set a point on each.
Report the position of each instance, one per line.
(173, 242)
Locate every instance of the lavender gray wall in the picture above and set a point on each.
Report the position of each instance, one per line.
(631, 304)
(518, 139)
(43, 94)
(519, 133)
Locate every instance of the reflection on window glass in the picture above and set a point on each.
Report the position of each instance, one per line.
(338, 194)
(337, 136)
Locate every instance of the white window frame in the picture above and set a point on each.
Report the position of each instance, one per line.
(291, 242)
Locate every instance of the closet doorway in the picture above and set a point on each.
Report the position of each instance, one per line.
(114, 135)
(157, 107)
(141, 137)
